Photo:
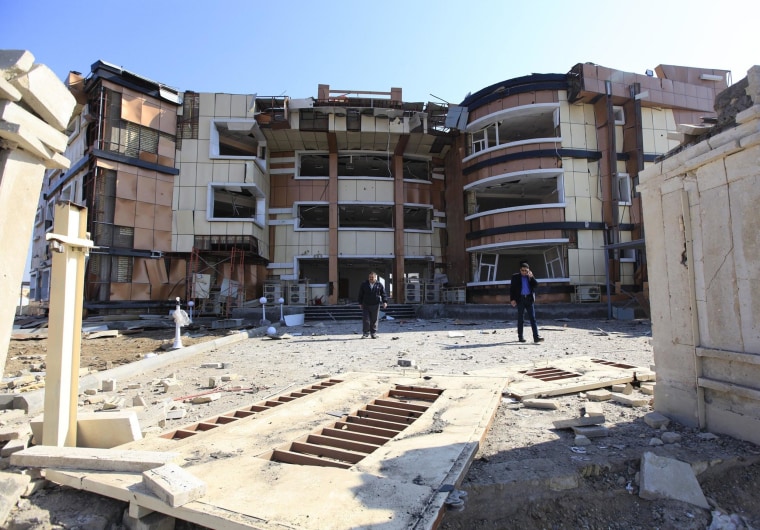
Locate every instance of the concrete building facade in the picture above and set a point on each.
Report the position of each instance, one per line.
(300, 198)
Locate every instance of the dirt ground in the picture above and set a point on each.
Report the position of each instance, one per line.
(606, 495)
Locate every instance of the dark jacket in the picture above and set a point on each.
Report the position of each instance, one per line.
(515, 287)
(372, 294)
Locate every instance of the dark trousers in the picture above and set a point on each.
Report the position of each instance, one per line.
(370, 314)
(525, 305)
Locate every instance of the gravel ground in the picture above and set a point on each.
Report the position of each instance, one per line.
(262, 367)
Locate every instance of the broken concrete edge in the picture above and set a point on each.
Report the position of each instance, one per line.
(33, 402)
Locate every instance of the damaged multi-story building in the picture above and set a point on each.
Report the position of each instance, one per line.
(223, 198)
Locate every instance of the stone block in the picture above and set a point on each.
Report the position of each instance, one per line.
(656, 420)
(12, 486)
(667, 478)
(46, 95)
(598, 395)
(548, 404)
(173, 485)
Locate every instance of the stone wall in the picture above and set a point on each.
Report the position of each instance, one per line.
(703, 254)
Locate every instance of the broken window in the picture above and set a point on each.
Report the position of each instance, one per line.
(313, 216)
(417, 169)
(365, 216)
(312, 120)
(235, 202)
(418, 218)
(187, 122)
(236, 138)
(314, 165)
(531, 122)
(511, 191)
(364, 165)
(124, 137)
(487, 265)
(498, 265)
(555, 262)
(622, 188)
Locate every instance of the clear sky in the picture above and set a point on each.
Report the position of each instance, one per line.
(446, 48)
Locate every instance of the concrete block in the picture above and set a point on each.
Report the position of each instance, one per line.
(8, 91)
(598, 395)
(46, 95)
(16, 432)
(14, 446)
(406, 363)
(212, 365)
(592, 431)
(593, 409)
(656, 420)
(13, 113)
(647, 388)
(548, 404)
(668, 478)
(630, 401)
(99, 429)
(14, 63)
(173, 485)
(152, 521)
(207, 398)
(227, 323)
(93, 459)
(623, 388)
(108, 385)
(577, 422)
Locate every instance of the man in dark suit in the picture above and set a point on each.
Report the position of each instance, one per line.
(522, 295)
(371, 297)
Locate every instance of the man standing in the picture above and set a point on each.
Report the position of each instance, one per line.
(522, 294)
(371, 296)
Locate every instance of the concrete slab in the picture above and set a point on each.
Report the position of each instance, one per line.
(393, 483)
(668, 478)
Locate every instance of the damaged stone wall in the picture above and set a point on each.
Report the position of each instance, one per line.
(703, 253)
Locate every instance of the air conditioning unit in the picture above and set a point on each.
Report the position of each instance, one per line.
(297, 294)
(412, 293)
(432, 294)
(273, 292)
(588, 293)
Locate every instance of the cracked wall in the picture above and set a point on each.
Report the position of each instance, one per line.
(703, 252)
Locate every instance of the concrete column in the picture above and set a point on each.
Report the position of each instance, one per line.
(70, 246)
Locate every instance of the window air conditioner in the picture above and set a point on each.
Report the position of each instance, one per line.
(297, 294)
(589, 293)
(432, 295)
(273, 292)
(412, 293)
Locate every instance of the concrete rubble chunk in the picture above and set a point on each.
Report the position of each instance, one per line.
(598, 395)
(577, 422)
(12, 487)
(46, 95)
(630, 401)
(18, 134)
(173, 485)
(13, 113)
(15, 62)
(668, 478)
(548, 404)
(592, 431)
(8, 91)
(656, 420)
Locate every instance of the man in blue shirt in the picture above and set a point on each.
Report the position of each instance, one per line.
(522, 295)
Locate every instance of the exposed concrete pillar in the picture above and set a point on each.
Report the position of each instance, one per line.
(70, 246)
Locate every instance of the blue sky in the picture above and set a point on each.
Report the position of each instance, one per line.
(445, 48)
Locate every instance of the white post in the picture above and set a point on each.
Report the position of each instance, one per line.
(177, 334)
(263, 302)
(282, 317)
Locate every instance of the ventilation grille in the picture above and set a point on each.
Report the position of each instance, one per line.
(229, 417)
(347, 441)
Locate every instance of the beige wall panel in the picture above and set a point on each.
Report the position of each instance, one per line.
(577, 135)
(146, 189)
(162, 218)
(126, 185)
(236, 228)
(648, 141)
(570, 213)
(583, 208)
(186, 198)
(131, 108)
(204, 174)
(189, 152)
(585, 240)
(162, 240)
(184, 243)
(124, 212)
(586, 260)
(168, 120)
(581, 185)
(236, 171)
(203, 150)
(204, 129)
(202, 226)
(573, 264)
(144, 238)
(167, 147)
(576, 113)
(223, 105)
(164, 191)
(221, 172)
(384, 243)
(145, 215)
(597, 215)
(742, 165)
(347, 190)
(366, 190)
(385, 190)
(346, 242)
(184, 222)
(591, 138)
(365, 243)
(239, 105)
(201, 199)
(151, 114)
